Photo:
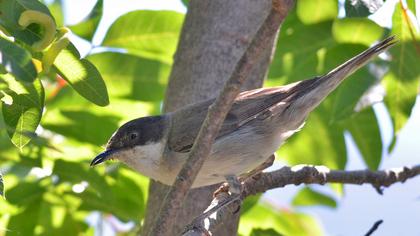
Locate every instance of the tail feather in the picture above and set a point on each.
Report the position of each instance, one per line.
(347, 68)
(309, 93)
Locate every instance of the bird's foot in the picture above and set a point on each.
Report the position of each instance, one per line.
(224, 188)
(232, 186)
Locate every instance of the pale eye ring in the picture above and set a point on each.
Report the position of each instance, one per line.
(133, 136)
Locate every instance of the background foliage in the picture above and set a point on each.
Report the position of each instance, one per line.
(58, 108)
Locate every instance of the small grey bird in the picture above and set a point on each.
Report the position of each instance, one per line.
(258, 123)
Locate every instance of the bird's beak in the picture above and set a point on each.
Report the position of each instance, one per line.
(107, 154)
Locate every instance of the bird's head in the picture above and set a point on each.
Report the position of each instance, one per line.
(134, 140)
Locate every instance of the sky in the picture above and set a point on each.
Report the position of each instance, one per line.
(361, 206)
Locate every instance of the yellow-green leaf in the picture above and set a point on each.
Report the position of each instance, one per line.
(86, 29)
(402, 80)
(315, 11)
(82, 75)
(356, 30)
(24, 114)
(150, 34)
(17, 61)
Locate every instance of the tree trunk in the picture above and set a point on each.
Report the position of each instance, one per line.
(215, 34)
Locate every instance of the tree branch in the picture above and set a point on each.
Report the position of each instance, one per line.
(215, 117)
(374, 227)
(225, 205)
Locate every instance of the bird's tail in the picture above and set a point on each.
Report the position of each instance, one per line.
(309, 93)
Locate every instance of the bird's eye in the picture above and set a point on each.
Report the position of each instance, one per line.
(133, 136)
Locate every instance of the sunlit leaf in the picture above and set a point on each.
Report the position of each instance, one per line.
(402, 80)
(87, 28)
(132, 77)
(151, 34)
(364, 129)
(361, 8)
(315, 11)
(24, 114)
(82, 76)
(17, 61)
(309, 197)
(356, 30)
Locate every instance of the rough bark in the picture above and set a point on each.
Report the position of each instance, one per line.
(214, 36)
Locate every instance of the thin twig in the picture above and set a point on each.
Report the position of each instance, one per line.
(374, 227)
(301, 174)
(215, 117)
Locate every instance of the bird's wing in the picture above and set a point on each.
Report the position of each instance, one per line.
(254, 104)
(248, 106)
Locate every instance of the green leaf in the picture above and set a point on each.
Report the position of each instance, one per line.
(82, 75)
(17, 61)
(25, 193)
(315, 11)
(361, 8)
(285, 222)
(9, 19)
(84, 126)
(87, 28)
(402, 80)
(364, 129)
(299, 55)
(250, 202)
(25, 222)
(56, 9)
(151, 34)
(132, 77)
(309, 197)
(24, 114)
(356, 30)
(121, 196)
(318, 143)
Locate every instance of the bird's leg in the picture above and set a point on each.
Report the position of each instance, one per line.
(234, 184)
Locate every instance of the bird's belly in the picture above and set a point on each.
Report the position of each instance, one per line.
(237, 155)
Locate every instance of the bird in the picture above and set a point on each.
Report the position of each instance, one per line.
(257, 124)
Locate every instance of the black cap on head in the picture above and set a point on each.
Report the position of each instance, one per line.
(133, 133)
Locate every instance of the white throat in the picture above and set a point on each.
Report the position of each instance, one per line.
(146, 159)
